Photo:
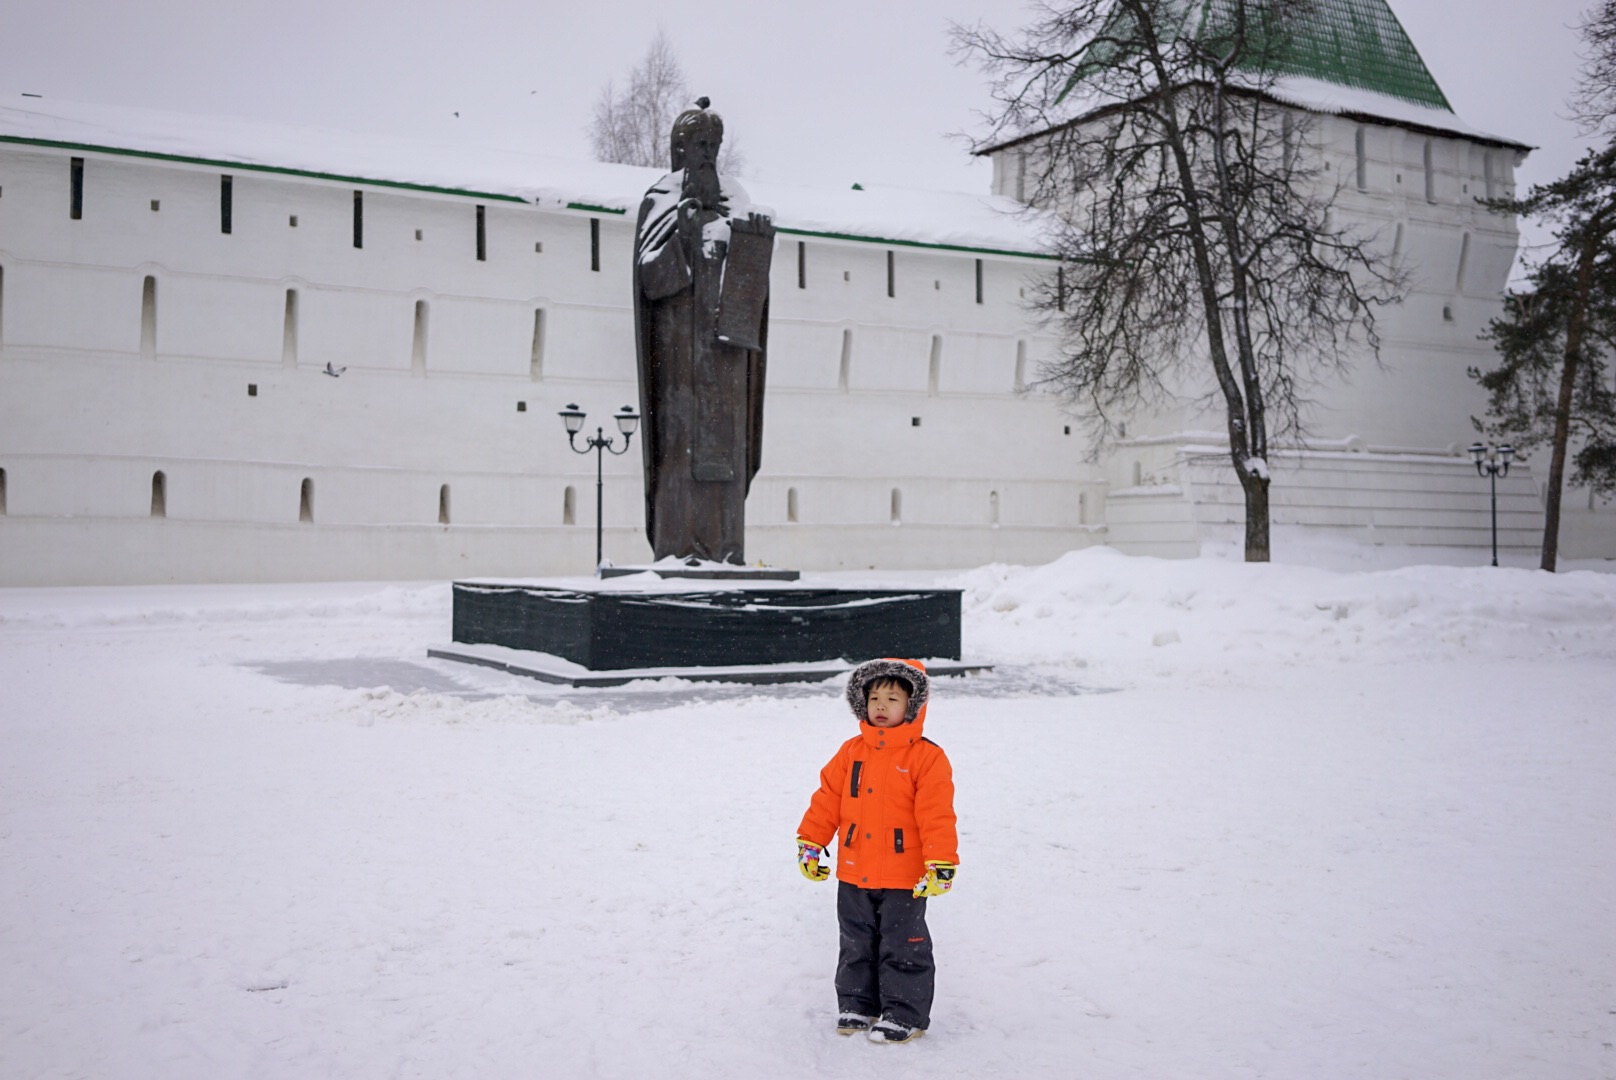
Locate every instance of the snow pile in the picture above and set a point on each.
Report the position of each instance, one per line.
(1120, 614)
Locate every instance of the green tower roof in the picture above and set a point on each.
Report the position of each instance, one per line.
(1349, 43)
(1357, 43)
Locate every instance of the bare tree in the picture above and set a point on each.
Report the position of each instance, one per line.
(632, 123)
(1197, 242)
(1593, 102)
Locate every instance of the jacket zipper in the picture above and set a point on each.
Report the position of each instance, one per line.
(851, 829)
(897, 841)
(858, 767)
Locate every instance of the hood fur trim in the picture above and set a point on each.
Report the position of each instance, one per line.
(911, 672)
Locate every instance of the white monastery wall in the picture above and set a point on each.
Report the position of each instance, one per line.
(164, 414)
(1457, 255)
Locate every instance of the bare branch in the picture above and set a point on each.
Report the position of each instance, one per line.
(1593, 103)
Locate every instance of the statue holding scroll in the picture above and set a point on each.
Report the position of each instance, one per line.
(701, 315)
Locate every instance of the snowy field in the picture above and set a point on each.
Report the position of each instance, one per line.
(1216, 821)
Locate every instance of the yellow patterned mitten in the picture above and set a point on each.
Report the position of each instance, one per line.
(808, 856)
(938, 880)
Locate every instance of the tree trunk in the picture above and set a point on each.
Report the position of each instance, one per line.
(1562, 429)
(1236, 404)
(1255, 482)
(1257, 544)
(1255, 431)
(1562, 406)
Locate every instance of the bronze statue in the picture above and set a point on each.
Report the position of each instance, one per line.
(701, 318)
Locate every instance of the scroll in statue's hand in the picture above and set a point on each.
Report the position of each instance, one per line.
(757, 224)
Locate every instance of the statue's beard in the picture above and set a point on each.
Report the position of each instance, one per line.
(701, 184)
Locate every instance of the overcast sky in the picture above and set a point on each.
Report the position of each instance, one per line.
(822, 93)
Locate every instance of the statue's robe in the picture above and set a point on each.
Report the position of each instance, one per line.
(701, 399)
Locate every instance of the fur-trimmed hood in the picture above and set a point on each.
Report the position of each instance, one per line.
(912, 672)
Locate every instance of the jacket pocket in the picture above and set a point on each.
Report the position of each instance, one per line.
(851, 829)
(858, 767)
(897, 841)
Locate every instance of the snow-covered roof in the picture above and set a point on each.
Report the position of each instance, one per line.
(1317, 95)
(941, 219)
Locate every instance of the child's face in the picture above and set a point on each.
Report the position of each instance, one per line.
(886, 705)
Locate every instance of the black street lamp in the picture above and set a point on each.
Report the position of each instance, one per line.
(627, 420)
(1492, 462)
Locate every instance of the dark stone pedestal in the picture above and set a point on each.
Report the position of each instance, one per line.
(614, 628)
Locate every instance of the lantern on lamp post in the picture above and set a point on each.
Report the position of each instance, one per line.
(1492, 462)
(627, 422)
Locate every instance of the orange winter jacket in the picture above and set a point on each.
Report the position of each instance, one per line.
(888, 799)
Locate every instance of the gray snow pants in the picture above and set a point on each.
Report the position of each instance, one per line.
(885, 966)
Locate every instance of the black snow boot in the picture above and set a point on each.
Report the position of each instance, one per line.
(849, 1022)
(888, 1030)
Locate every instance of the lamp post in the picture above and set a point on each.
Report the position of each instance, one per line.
(627, 420)
(1492, 462)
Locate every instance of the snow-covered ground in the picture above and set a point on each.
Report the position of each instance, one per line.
(1216, 821)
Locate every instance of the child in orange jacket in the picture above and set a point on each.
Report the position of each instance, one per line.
(888, 798)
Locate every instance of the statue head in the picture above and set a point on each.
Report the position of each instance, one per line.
(696, 138)
(697, 133)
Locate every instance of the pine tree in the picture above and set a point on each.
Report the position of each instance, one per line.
(1552, 384)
